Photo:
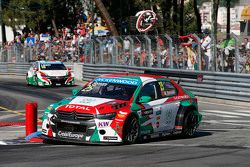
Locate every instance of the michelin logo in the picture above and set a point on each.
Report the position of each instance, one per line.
(118, 81)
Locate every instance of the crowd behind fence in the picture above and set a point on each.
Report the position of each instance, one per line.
(189, 52)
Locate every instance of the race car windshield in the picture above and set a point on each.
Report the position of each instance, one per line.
(108, 90)
(51, 66)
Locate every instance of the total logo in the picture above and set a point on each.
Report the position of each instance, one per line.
(77, 107)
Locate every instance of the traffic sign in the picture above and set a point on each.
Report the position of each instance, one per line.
(30, 41)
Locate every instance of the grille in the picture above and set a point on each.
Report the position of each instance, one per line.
(59, 79)
(74, 115)
(71, 127)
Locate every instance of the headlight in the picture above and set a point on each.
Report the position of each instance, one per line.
(109, 116)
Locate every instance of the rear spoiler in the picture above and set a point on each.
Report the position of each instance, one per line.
(180, 74)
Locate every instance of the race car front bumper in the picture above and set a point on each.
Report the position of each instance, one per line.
(56, 81)
(84, 131)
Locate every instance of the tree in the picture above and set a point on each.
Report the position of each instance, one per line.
(215, 4)
(228, 4)
(2, 23)
(106, 17)
(198, 16)
(181, 17)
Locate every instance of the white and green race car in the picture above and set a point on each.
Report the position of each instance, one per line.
(48, 73)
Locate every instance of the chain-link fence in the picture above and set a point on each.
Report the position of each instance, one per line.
(189, 52)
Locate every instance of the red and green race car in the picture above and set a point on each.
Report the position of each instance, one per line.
(122, 108)
(48, 73)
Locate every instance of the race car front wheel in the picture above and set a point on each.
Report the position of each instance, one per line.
(130, 130)
(189, 124)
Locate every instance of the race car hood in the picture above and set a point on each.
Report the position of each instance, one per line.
(93, 105)
(55, 73)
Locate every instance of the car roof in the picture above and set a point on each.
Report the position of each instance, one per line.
(50, 62)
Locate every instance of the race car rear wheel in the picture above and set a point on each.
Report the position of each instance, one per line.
(189, 124)
(130, 130)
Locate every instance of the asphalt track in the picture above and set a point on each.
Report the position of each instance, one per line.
(223, 138)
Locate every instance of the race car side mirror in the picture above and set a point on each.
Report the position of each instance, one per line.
(135, 107)
(35, 69)
(145, 99)
(75, 91)
(69, 68)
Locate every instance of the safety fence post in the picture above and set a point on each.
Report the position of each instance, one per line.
(198, 40)
(171, 52)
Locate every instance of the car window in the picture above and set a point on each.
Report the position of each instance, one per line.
(52, 66)
(108, 90)
(167, 89)
(149, 90)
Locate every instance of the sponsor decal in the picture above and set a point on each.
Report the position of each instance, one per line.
(70, 135)
(118, 129)
(87, 101)
(146, 20)
(144, 132)
(110, 138)
(147, 112)
(181, 97)
(158, 112)
(103, 124)
(69, 106)
(118, 81)
(90, 101)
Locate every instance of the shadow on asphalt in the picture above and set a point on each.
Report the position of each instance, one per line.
(176, 137)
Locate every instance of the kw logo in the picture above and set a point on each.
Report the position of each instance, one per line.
(103, 124)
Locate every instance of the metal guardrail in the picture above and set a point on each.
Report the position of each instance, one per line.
(222, 85)
(230, 86)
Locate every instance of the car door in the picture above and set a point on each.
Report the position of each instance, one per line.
(34, 70)
(150, 112)
(157, 115)
(168, 109)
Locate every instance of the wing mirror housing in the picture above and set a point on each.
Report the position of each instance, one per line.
(145, 99)
(69, 68)
(75, 91)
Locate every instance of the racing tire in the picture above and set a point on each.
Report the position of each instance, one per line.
(36, 81)
(189, 125)
(27, 80)
(130, 130)
(28, 84)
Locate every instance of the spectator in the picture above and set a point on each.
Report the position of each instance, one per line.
(247, 44)
(126, 45)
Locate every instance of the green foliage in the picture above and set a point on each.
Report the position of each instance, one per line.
(189, 18)
(232, 2)
(37, 14)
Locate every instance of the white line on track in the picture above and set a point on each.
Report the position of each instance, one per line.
(176, 145)
(219, 115)
(225, 123)
(226, 112)
(3, 143)
(220, 129)
(228, 105)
